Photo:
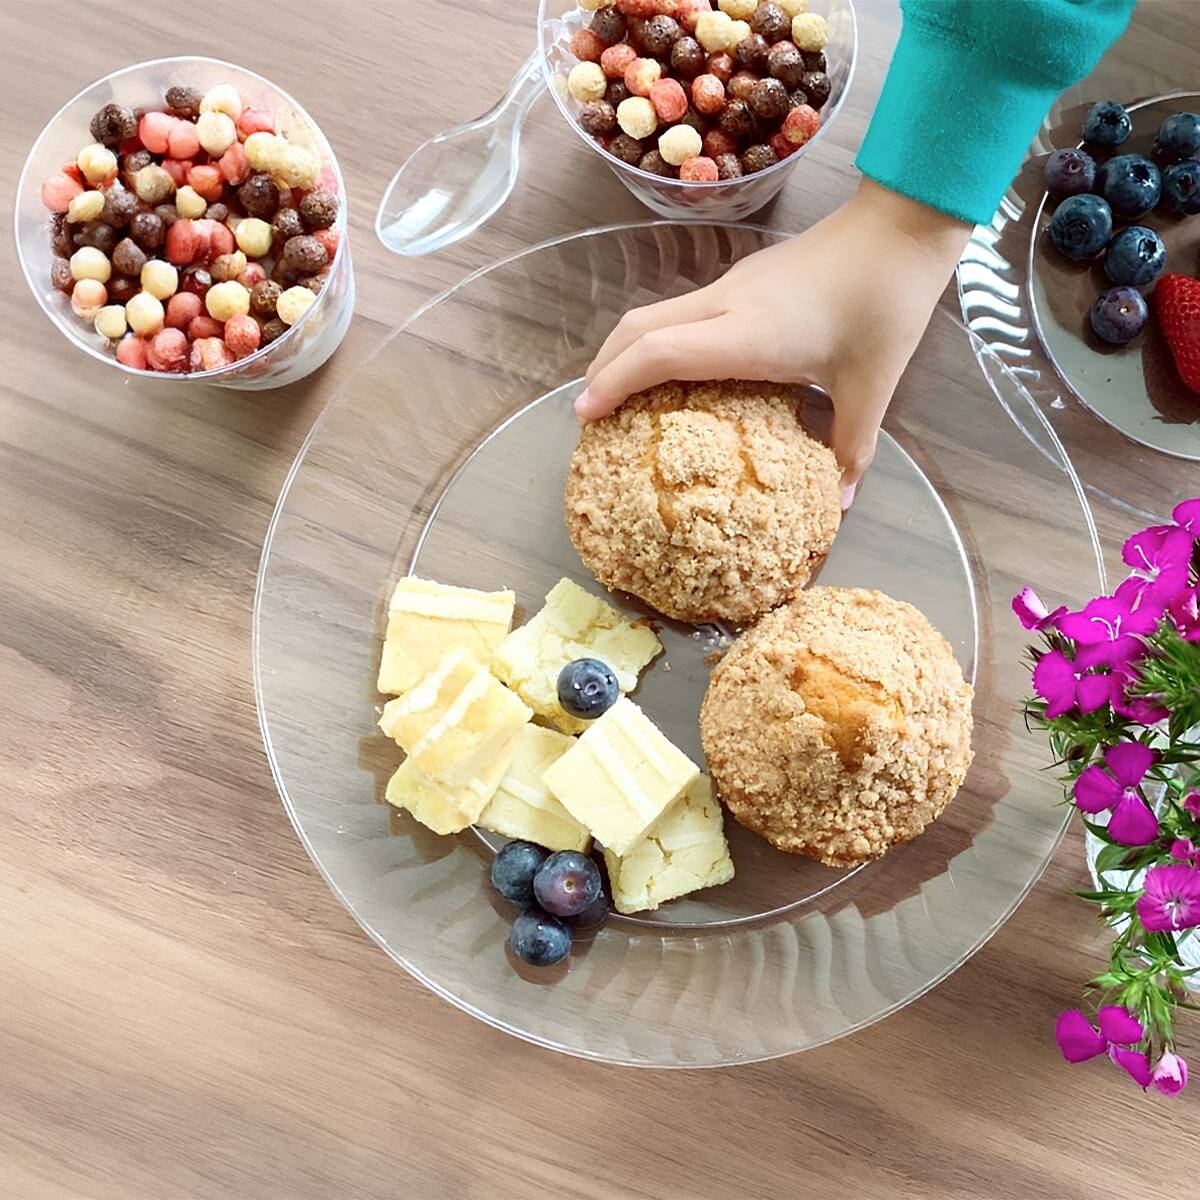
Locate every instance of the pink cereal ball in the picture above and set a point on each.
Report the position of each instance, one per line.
(209, 353)
(254, 273)
(587, 46)
(131, 352)
(669, 100)
(718, 142)
(708, 94)
(204, 326)
(615, 60)
(168, 350)
(182, 309)
(234, 166)
(154, 130)
(329, 238)
(58, 191)
(641, 74)
(183, 141)
(242, 335)
(255, 120)
(182, 242)
(800, 124)
(780, 144)
(177, 168)
(698, 170)
(640, 8)
(221, 240)
(208, 181)
(688, 12)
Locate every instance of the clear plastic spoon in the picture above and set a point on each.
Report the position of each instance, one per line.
(451, 184)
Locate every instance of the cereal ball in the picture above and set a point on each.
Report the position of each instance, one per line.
(128, 258)
(154, 131)
(594, 5)
(120, 206)
(636, 117)
(319, 210)
(586, 46)
(693, 120)
(182, 243)
(242, 335)
(152, 184)
(779, 143)
(330, 239)
(293, 304)
(255, 120)
(688, 12)
(207, 180)
(297, 167)
(758, 158)
(609, 26)
(122, 288)
(254, 237)
(225, 300)
(168, 350)
(177, 169)
(183, 142)
(586, 81)
(617, 93)
(228, 266)
(220, 238)
(659, 34)
(262, 149)
(216, 132)
(183, 101)
(742, 84)
(134, 162)
(714, 31)
(110, 321)
(739, 32)
(728, 166)
(263, 298)
(717, 142)
(259, 195)
(698, 170)
(87, 206)
(641, 75)
(131, 352)
(287, 224)
(615, 59)
(272, 329)
(800, 124)
(209, 353)
(792, 8)
(189, 202)
(58, 191)
(654, 164)
(89, 263)
(113, 124)
(148, 230)
(708, 94)
(145, 314)
(751, 53)
(182, 309)
(159, 279)
(769, 100)
(669, 100)
(597, 118)
(196, 280)
(60, 275)
(627, 149)
(814, 60)
(204, 326)
(721, 65)
(217, 212)
(304, 254)
(771, 21)
(97, 234)
(97, 162)
(737, 120)
(678, 144)
(687, 58)
(88, 297)
(786, 64)
(234, 165)
(809, 31)
(739, 10)
(816, 87)
(253, 274)
(314, 283)
(222, 99)
(61, 241)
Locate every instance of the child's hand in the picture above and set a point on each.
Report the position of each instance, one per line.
(843, 306)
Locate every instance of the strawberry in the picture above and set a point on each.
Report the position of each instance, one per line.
(1177, 305)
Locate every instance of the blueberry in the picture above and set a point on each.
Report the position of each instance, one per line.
(1130, 183)
(587, 688)
(1179, 136)
(513, 870)
(1069, 172)
(1081, 226)
(567, 883)
(1118, 315)
(1106, 124)
(1135, 256)
(1181, 187)
(593, 916)
(539, 939)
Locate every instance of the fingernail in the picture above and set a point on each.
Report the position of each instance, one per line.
(581, 402)
(848, 495)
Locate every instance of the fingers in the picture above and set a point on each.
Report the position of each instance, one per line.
(700, 350)
(859, 406)
(637, 322)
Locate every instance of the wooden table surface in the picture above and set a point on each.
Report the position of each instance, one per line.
(185, 1009)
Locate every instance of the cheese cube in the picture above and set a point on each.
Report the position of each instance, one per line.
(620, 776)
(574, 624)
(442, 807)
(427, 620)
(683, 851)
(523, 807)
(456, 721)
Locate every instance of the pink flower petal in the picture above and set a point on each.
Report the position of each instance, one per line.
(1134, 1062)
(1187, 514)
(1054, 681)
(1182, 848)
(1032, 613)
(1129, 762)
(1096, 790)
(1095, 691)
(1170, 1074)
(1191, 804)
(1119, 1025)
(1132, 823)
(1076, 1038)
(1118, 653)
(1170, 898)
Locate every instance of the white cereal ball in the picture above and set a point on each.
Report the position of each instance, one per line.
(294, 166)
(292, 304)
(739, 10)
(189, 203)
(110, 321)
(223, 99)
(254, 237)
(144, 313)
(262, 149)
(153, 184)
(587, 81)
(793, 8)
(713, 31)
(97, 162)
(595, 5)
(738, 32)
(216, 132)
(809, 31)
(159, 279)
(678, 144)
(636, 117)
(87, 298)
(89, 263)
(228, 299)
(86, 206)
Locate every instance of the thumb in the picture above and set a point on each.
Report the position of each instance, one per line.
(859, 405)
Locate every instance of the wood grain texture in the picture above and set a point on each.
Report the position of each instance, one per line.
(185, 1010)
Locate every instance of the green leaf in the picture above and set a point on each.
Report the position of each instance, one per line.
(1111, 857)
(1099, 831)
(1104, 896)
(1162, 944)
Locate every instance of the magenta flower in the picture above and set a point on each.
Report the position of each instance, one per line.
(1096, 790)
(1065, 685)
(1109, 626)
(1119, 1031)
(1032, 613)
(1185, 612)
(1191, 804)
(1170, 898)
(1161, 558)
(1135, 1064)
(1186, 514)
(1142, 709)
(1185, 850)
(1170, 1074)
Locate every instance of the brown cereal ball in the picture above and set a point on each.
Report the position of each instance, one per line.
(786, 64)
(61, 241)
(627, 149)
(287, 224)
(741, 84)
(319, 210)
(695, 121)
(123, 288)
(120, 206)
(688, 58)
(816, 86)
(113, 124)
(135, 162)
(314, 283)
(751, 53)
(737, 120)
(184, 101)
(706, 500)
(616, 91)
(814, 60)
(608, 25)
(597, 118)
(147, 230)
(259, 196)
(60, 275)
(771, 22)
(99, 234)
(758, 158)
(304, 254)
(659, 34)
(838, 726)
(217, 212)
(168, 214)
(128, 258)
(263, 298)
(655, 164)
(768, 99)
(728, 166)
(272, 329)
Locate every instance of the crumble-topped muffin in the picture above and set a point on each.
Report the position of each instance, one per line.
(706, 500)
(838, 726)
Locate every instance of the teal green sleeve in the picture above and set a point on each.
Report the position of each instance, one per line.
(969, 85)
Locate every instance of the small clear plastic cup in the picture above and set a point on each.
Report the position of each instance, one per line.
(726, 200)
(298, 352)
